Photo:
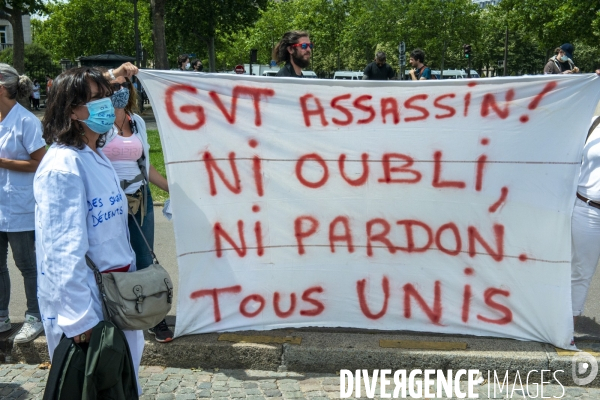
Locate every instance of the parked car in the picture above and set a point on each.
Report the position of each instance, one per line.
(349, 75)
(307, 74)
(448, 74)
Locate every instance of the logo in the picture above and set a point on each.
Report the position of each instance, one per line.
(585, 368)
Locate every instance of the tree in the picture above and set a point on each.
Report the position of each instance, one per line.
(439, 26)
(557, 21)
(161, 60)
(109, 25)
(37, 62)
(13, 11)
(204, 19)
(347, 33)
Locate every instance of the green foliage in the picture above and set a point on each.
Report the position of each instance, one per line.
(554, 22)
(190, 24)
(158, 161)
(38, 62)
(524, 53)
(87, 27)
(437, 26)
(586, 57)
(346, 33)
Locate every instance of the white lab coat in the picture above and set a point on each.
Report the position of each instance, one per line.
(80, 209)
(20, 135)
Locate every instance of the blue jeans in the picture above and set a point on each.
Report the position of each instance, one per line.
(143, 258)
(23, 249)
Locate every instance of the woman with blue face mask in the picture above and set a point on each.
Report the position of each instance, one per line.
(129, 152)
(80, 210)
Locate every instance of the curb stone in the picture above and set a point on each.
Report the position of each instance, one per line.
(330, 350)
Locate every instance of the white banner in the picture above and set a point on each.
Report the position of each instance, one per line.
(439, 206)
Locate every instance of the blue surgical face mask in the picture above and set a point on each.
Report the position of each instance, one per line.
(564, 58)
(102, 115)
(120, 98)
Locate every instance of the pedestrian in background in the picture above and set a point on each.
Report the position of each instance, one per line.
(21, 150)
(561, 62)
(128, 150)
(49, 82)
(35, 94)
(81, 210)
(420, 71)
(295, 49)
(379, 70)
(183, 62)
(197, 65)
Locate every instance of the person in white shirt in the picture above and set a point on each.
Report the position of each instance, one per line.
(80, 209)
(585, 222)
(21, 150)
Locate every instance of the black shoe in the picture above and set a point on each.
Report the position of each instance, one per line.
(161, 332)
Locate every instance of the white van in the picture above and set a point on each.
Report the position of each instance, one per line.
(349, 75)
(454, 74)
(448, 74)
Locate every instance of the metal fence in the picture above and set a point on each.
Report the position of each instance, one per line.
(39, 70)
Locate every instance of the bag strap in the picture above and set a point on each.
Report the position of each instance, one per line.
(145, 240)
(98, 275)
(125, 184)
(594, 126)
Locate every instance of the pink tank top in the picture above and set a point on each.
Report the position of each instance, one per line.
(123, 153)
(124, 148)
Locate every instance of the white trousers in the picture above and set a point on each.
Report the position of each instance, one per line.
(585, 252)
(135, 339)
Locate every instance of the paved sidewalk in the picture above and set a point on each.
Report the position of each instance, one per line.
(24, 381)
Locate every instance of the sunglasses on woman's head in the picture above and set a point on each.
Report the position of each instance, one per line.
(117, 86)
(303, 45)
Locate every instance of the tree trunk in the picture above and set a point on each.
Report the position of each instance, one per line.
(506, 53)
(16, 20)
(161, 60)
(211, 54)
(442, 64)
(136, 33)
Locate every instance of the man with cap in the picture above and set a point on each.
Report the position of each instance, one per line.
(561, 62)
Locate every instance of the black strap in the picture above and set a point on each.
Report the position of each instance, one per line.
(125, 184)
(98, 275)
(145, 240)
(594, 126)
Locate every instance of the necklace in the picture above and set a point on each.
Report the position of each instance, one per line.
(121, 127)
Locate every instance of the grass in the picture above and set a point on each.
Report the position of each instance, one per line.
(158, 161)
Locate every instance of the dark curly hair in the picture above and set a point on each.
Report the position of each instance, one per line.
(280, 52)
(71, 89)
(132, 104)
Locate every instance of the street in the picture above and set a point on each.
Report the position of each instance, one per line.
(22, 381)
